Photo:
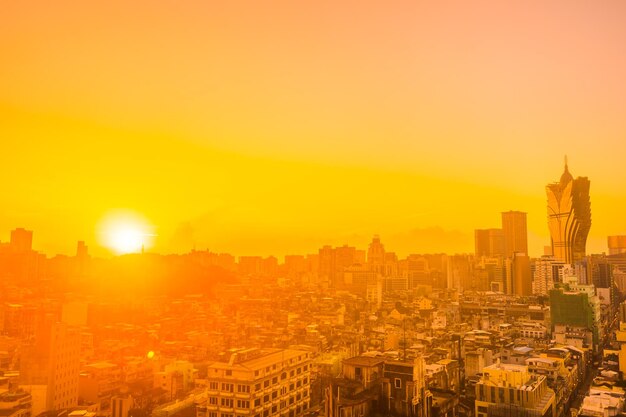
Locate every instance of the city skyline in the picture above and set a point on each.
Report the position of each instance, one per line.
(312, 209)
(221, 131)
(133, 240)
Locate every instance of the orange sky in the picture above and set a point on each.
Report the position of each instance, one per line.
(278, 126)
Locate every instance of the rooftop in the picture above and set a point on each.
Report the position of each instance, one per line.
(363, 361)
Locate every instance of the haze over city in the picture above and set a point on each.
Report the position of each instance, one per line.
(312, 208)
(273, 128)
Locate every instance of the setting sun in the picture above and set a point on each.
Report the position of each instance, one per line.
(125, 232)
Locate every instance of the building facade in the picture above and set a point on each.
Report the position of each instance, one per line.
(515, 232)
(512, 391)
(569, 217)
(259, 383)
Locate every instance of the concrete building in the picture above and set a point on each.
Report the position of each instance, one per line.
(488, 242)
(50, 366)
(21, 240)
(515, 233)
(260, 383)
(512, 391)
(546, 272)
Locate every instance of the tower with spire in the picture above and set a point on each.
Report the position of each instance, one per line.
(569, 216)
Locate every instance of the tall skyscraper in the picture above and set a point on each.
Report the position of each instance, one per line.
(376, 255)
(519, 277)
(488, 242)
(515, 233)
(21, 240)
(569, 216)
(50, 365)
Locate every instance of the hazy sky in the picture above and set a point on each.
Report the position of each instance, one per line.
(261, 127)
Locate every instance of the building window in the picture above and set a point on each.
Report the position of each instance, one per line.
(227, 387)
(397, 383)
(243, 388)
(213, 400)
(213, 385)
(228, 372)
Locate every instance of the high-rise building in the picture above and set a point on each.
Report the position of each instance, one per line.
(21, 240)
(546, 272)
(617, 244)
(416, 269)
(490, 274)
(82, 251)
(488, 242)
(50, 366)
(376, 255)
(333, 262)
(515, 233)
(577, 308)
(569, 216)
(520, 274)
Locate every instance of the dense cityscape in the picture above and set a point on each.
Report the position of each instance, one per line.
(328, 208)
(344, 332)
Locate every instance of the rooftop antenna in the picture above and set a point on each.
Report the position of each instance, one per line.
(565, 161)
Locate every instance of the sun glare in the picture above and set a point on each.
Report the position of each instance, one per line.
(124, 232)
